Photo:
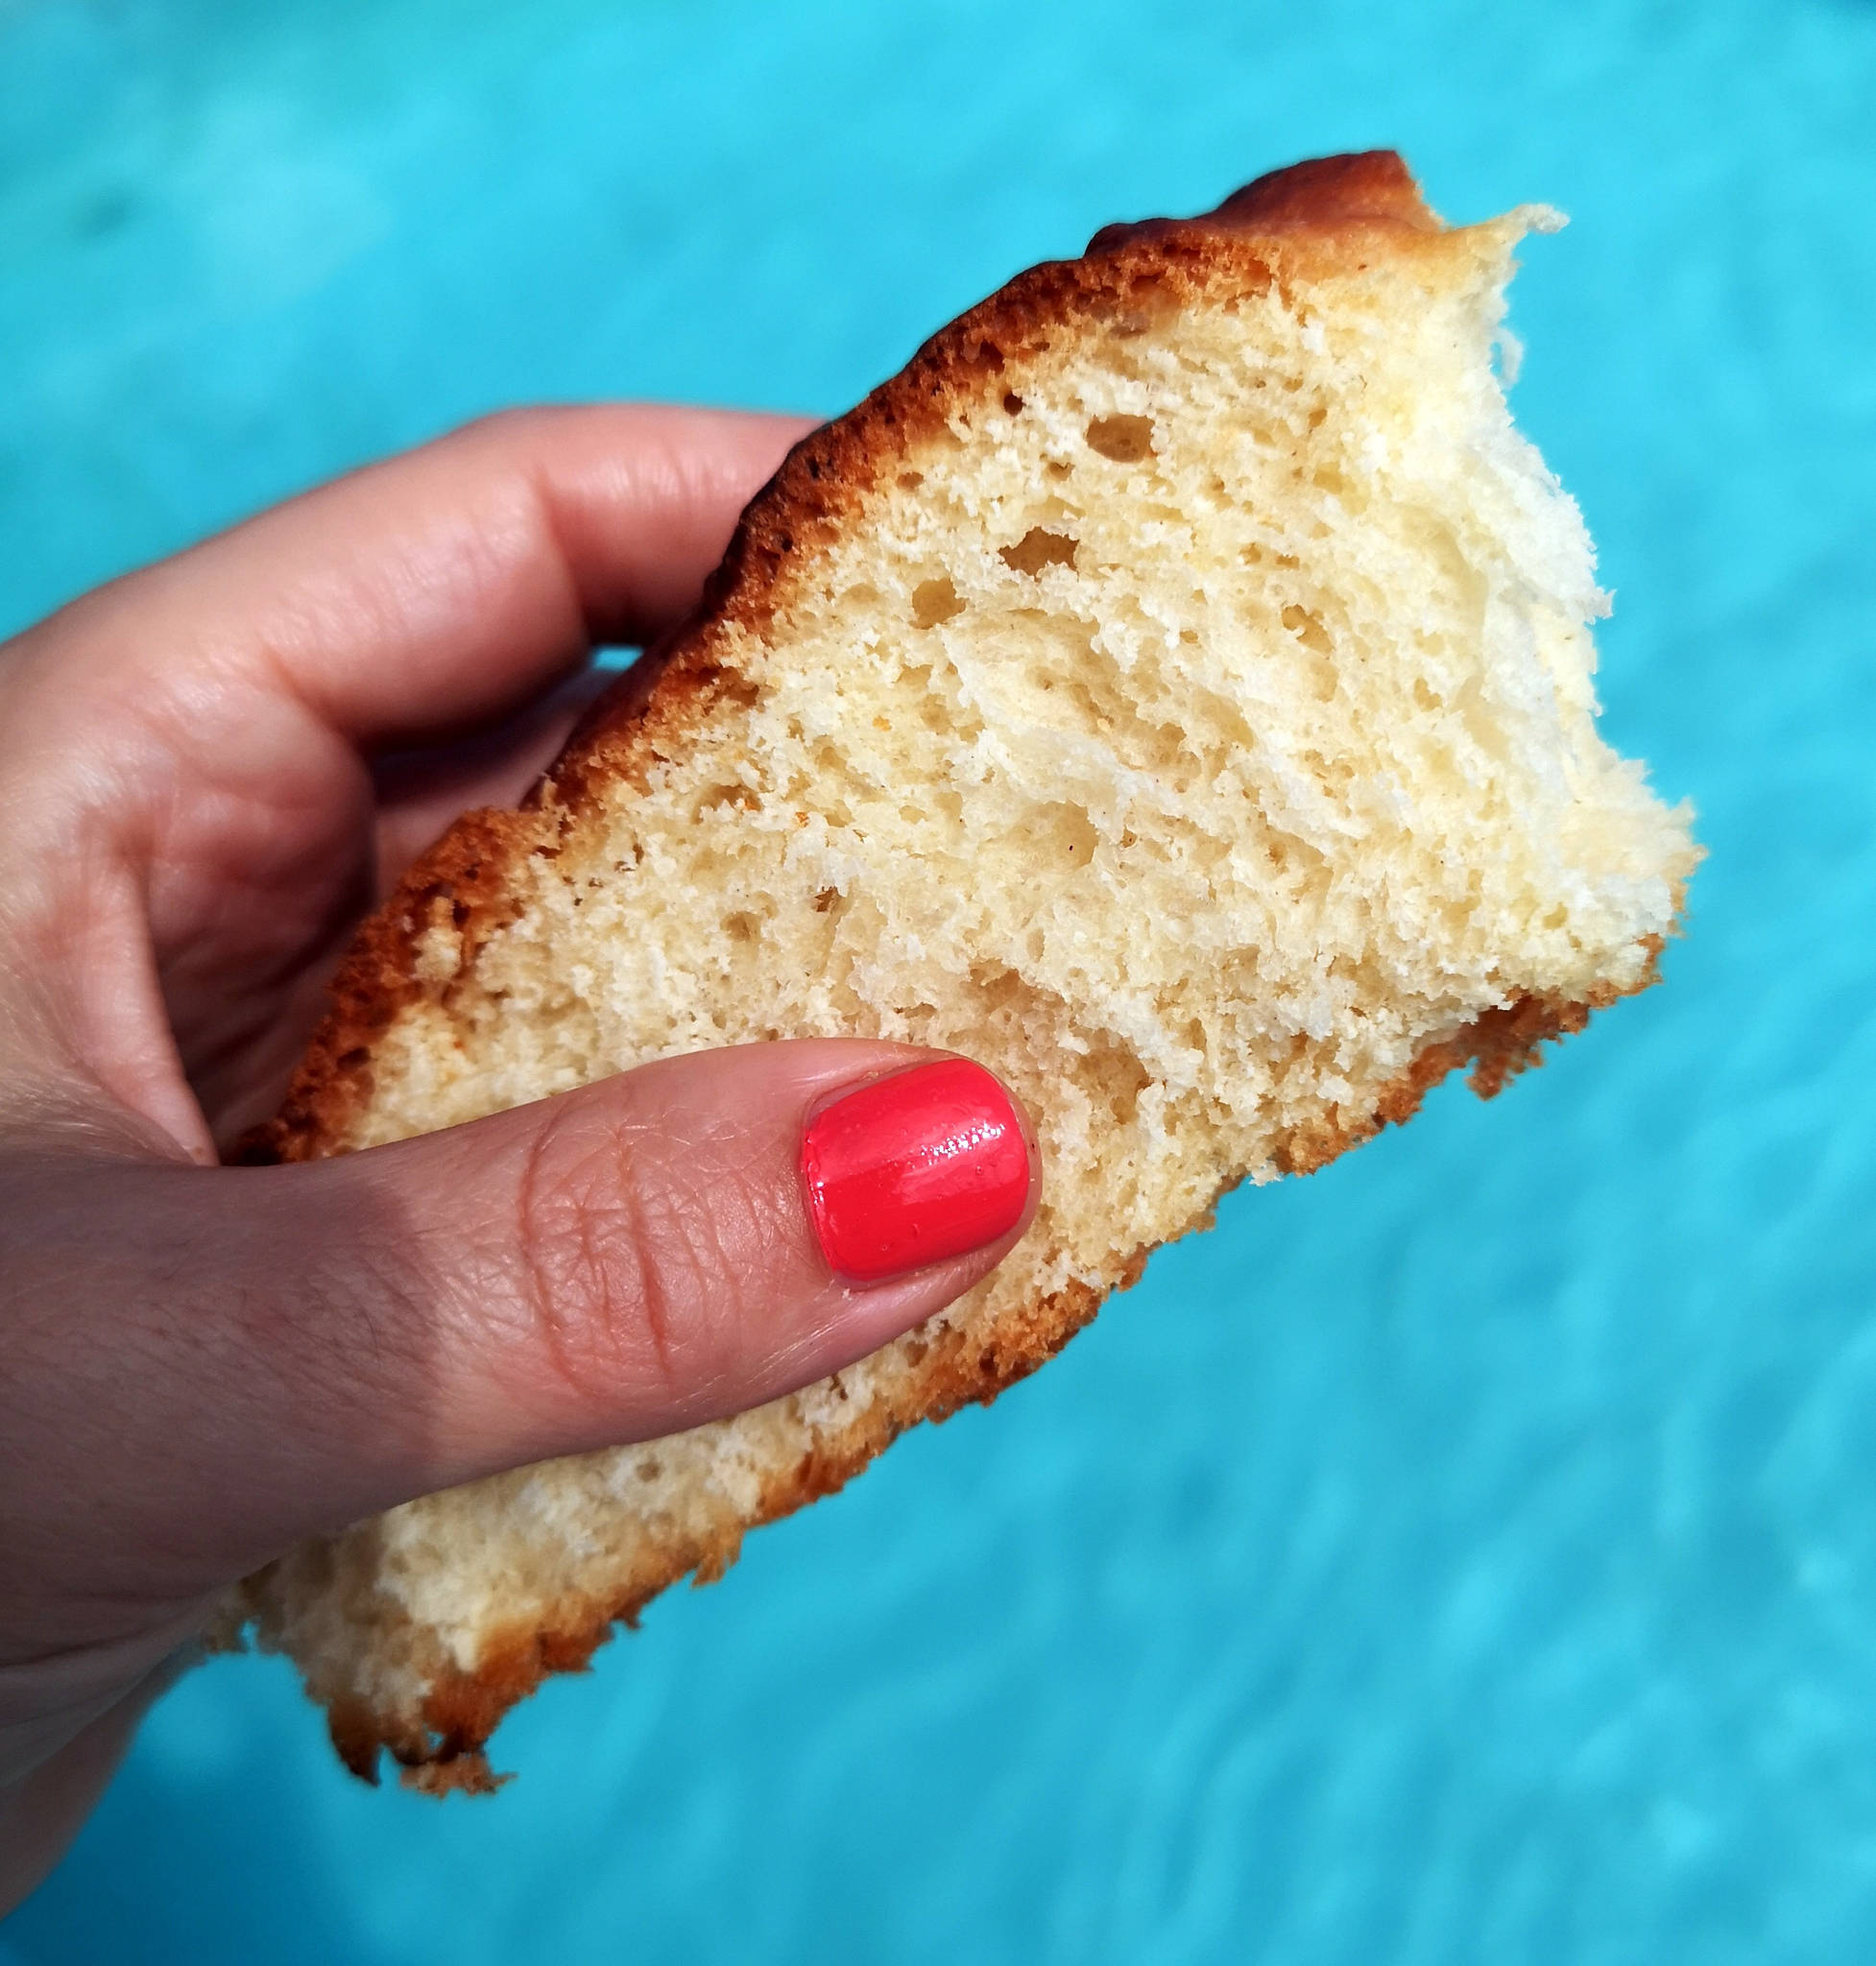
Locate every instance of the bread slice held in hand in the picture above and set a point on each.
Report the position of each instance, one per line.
(1173, 690)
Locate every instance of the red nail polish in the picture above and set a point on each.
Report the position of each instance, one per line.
(912, 1168)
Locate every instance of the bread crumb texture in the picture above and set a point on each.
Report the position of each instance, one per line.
(1173, 690)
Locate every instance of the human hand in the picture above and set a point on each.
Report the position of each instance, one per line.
(209, 771)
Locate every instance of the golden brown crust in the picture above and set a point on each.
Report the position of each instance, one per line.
(1324, 195)
(462, 880)
(1311, 219)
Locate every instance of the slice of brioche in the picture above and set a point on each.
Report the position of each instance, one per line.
(1172, 690)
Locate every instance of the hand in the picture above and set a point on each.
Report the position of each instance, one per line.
(208, 771)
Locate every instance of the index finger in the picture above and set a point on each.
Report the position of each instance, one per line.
(439, 590)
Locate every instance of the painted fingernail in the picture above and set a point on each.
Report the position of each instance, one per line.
(913, 1168)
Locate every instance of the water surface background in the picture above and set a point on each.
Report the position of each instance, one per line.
(1467, 1553)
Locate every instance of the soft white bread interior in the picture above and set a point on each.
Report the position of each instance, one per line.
(1172, 690)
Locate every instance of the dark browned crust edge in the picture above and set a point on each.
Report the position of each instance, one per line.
(1314, 218)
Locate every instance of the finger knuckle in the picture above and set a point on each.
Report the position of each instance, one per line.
(517, 427)
(624, 1265)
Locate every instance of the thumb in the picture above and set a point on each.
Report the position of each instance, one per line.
(233, 1358)
(679, 1242)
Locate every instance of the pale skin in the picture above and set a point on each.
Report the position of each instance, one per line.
(208, 769)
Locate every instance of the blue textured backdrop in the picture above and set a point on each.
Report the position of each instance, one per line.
(1469, 1554)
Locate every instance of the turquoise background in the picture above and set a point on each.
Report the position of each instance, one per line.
(1468, 1554)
